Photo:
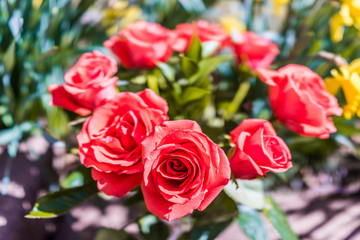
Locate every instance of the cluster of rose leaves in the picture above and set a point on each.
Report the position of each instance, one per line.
(129, 141)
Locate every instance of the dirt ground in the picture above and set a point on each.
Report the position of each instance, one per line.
(321, 213)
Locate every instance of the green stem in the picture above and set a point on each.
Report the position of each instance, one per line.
(238, 99)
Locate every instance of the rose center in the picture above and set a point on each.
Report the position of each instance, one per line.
(273, 147)
(121, 128)
(95, 72)
(175, 165)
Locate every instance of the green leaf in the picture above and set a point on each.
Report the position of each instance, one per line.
(251, 223)
(193, 94)
(79, 177)
(207, 66)
(9, 57)
(74, 179)
(209, 223)
(167, 70)
(209, 48)
(7, 119)
(188, 66)
(146, 222)
(278, 219)
(60, 202)
(247, 192)
(152, 228)
(346, 127)
(194, 6)
(194, 49)
(152, 82)
(112, 234)
(57, 121)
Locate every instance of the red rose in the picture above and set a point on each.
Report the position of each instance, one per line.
(141, 45)
(299, 100)
(258, 150)
(87, 84)
(205, 32)
(183, 169)
(109, 141)
(254, 50)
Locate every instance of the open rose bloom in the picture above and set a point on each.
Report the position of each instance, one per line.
(110, 139)
(299, 99)
(141, 45)
(183, 169)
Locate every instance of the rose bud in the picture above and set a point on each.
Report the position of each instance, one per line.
(258, 150)
(87, 84)
(254, 50)
(205, 32)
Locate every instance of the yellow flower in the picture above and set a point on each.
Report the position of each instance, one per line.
(349, 15)
(280, 6)
(37, 3)
(120, 15)
(348, 79)
(281, 2)
(231, 23)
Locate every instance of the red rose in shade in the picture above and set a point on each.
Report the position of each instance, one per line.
(109, 141)
(183, 169)
(254, 50)
(299, 100)
(205, 32)
(258, 150)
(87, 84)
(141, 45)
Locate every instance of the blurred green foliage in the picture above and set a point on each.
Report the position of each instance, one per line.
(38, 41)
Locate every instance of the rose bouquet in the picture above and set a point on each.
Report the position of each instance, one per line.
(188, 121)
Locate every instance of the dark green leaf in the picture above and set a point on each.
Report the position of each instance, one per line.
(194, 49)
(112, 234)
(152, 228)
(251, 223)
(209, 223)
(136, 198)
(188, 66)
(60, 202)
(278, 219)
